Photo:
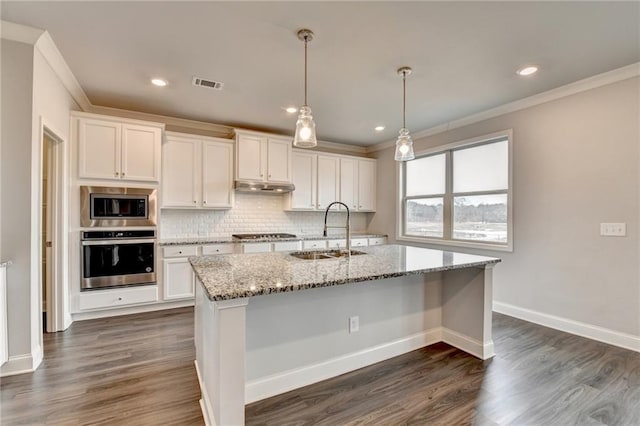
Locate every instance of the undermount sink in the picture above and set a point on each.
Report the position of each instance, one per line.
(330, 254)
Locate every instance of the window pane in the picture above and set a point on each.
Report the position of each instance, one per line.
(481, 168)
(425, 176)
(480, 218)
(424, 217)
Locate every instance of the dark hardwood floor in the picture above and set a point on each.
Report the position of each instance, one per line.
(138, 370)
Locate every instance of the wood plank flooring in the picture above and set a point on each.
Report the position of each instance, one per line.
(138, 370)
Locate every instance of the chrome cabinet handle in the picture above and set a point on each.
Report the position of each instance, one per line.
(122, 173)
(194, 201)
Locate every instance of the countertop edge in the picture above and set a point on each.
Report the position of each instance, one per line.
(197, 241)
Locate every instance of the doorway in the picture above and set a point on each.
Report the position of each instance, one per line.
(49, 230)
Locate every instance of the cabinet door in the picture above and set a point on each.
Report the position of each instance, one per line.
(328, 180)
(141, 153)
(349, 182)
(279, 160)
(99, 149)
(251, 151)
(217, 176)
(366, 185)
(303, 171)
(178, 279)
(180, 173)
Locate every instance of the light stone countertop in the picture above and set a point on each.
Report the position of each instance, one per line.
(229, 240)
(235, 276)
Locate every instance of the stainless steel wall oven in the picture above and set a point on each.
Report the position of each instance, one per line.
(117, 207)
(118, 258)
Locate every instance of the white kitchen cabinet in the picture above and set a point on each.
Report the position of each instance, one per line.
(349, 182)
(358, 183)
(115, 149)
(178, 278)
(314, 244)
(197, 172)
(367, 185)
(264, 158)
(255, 248)
(217, 249)
(286, 246)
(317, 181)
(304, 173)
(359, 242)
(337, 244)
(118, 297)
(328, 180)
(377, 241)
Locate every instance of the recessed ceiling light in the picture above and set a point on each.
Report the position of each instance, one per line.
(379, 128)
(528, 70)
(291, 110)
(158, 82)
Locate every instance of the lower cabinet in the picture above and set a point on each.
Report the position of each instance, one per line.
(178, 278)
(98, 299)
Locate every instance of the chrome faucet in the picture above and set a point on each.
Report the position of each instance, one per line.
(347, 226)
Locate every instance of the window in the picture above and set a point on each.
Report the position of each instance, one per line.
(459, 195)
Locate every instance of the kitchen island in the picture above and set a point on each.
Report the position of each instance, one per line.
(257, 334)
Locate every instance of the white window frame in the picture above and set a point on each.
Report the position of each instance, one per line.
(448, 196)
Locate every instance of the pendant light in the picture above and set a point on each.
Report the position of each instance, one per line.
(404, 144)
(305, 136)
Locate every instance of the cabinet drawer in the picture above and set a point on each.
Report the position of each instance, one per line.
(314, 244)
(359, 242)
(180, 251)
(377, 241)
(337, 244)
(118, 297)
(286, 246)
(256, 248)
(217, 249)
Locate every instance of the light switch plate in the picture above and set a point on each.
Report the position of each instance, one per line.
(613, 229)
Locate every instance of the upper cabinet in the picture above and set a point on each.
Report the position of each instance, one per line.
(197, 172)
(323, 178)
(118, 149)
(262, 157)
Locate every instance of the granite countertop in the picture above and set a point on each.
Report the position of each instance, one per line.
(226, 240)
(244, 275)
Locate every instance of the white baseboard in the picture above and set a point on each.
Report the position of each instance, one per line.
(601, 334)
(266, 387)
(105, 313)
(467, 344)
(20, 364)
(205, 407)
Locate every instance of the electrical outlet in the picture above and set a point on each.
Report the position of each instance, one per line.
(354, 324)
(613, 229)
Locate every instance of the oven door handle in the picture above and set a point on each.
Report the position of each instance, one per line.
(117, 242)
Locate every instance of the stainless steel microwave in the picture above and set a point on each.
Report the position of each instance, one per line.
(117, 207)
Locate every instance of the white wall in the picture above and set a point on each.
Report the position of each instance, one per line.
(576, 164)
(32, 95)
(252, 213)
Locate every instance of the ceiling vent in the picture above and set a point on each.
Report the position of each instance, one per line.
(209, 84)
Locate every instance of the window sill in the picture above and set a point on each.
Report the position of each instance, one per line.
(455, 243)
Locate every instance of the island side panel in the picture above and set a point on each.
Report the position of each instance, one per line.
(302, 337)
(220, 357)
(466, 310)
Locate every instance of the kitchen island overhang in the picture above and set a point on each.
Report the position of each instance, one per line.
(257, 335)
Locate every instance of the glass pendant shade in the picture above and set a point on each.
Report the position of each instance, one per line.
(404, 146)
(305, 136)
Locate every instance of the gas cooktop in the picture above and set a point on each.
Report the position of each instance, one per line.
(265, 236)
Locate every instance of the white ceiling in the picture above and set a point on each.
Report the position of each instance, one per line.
(464, 56)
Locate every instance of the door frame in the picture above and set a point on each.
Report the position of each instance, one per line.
(58, 317)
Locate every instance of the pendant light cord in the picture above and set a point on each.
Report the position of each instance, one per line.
(305, 70)
(404, 99)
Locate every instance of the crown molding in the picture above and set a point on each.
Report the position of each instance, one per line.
(20, 33)
(180, 125)
(54, 58)
(579, 86)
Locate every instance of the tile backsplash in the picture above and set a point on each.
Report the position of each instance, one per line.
(252, 213)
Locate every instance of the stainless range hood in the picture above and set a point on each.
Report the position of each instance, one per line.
(263, 187)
